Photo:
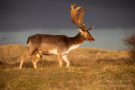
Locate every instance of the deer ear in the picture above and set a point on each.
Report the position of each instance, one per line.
(80, 30)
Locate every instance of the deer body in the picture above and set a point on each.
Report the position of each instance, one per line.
(53, 44)
(60, 45)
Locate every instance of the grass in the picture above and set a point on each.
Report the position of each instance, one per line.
(86, 73)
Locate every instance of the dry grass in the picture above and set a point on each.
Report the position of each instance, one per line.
(91, 69)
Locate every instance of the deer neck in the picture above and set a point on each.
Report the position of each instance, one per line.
(76, 40)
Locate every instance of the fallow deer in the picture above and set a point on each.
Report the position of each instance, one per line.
(60, 45)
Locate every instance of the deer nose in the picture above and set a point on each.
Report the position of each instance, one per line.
(91, 39)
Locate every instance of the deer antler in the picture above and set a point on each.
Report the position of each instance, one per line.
(74, 13)
(91, 27)
(77, 14)
(81, 15)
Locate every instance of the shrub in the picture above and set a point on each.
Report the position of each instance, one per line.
(130, 42)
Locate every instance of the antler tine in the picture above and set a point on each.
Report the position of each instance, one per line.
(74, 14)
(91, 27)
(81, 15)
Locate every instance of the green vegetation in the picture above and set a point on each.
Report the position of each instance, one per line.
(88, 71)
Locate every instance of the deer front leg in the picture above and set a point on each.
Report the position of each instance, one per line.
(35, 60)
(60, 60)
(66, 60)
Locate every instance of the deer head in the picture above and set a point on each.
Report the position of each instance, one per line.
(77, 14)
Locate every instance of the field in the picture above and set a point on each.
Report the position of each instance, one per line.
(91, 69)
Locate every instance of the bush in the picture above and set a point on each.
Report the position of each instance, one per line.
(130, 42)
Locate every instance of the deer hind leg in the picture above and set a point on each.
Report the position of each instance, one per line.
(35, 59)
(66, 60)
(60, 60)
(21, 63)
(23, 59)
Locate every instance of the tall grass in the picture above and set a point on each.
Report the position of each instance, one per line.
(91, 69)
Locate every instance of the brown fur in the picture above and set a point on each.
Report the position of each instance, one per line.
(61, 41)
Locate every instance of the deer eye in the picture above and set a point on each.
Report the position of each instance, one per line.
(83, 30)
